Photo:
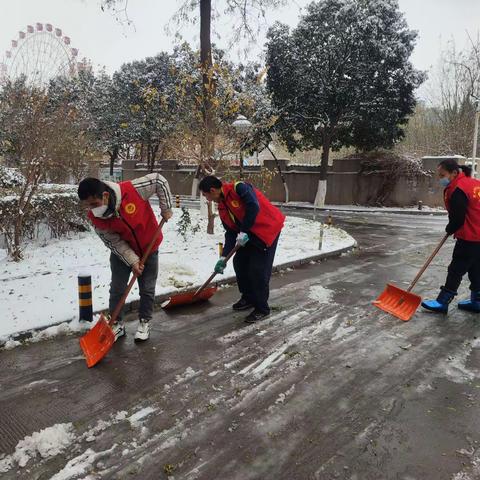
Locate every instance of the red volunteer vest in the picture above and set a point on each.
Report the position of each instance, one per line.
(471, 187)
(136, 222)
(269, 220)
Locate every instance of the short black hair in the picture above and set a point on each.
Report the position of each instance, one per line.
(208, 183)
(451, 165)
(91, 187)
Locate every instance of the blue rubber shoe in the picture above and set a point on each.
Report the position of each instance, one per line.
(440, 305)
(472, 305)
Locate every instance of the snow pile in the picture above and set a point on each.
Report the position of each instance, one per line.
(42, 289)
(320, 294)
(65, 328)
(140, 415)
(47, 443)
(81, 464)
(187, 375)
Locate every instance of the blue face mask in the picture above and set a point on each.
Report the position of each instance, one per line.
(444, 182)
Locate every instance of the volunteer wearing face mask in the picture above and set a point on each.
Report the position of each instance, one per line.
(124, 220)
(462, 200)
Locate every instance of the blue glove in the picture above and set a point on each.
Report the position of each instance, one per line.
(220, 265)
(242, 239)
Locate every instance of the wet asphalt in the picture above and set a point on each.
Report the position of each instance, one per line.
(323, 389)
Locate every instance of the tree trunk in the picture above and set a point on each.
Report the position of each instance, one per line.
(211, 218)
(282, 176)
(322, 183)
(113, 156)
(240, 164)
(207, 81)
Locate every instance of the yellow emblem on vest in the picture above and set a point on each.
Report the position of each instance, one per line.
(235, 204)
(476, 193)
(130, 208)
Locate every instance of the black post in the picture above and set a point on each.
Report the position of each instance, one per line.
(85, 297)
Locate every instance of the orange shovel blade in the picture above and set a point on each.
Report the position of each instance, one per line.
(97, 342)
(398, 302)
(189, 297)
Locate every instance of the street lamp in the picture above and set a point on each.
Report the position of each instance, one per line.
(242, 125)
(475, 136)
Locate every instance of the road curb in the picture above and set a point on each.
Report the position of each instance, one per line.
(159, 299)
(188, 202)
(360, 210)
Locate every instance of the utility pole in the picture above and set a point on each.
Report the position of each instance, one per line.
(475, 137)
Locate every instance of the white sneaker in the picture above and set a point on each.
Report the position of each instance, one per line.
(118, 329)
(143, 331)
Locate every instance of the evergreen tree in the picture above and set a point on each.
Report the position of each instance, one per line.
(343, 77)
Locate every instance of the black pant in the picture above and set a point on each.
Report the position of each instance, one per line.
(253, 267)
(466, 259)
(146, 284)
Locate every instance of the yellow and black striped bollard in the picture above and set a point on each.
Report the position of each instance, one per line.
(85, 297)
(177, 201)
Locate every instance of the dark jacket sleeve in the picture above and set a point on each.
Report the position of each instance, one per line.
(457, 210)
(252, 207)
(230, 240)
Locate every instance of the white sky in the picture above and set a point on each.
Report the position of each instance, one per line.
(105, 42)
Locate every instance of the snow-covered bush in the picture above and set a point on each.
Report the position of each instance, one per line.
(10, 177)
(57, 212)
(185, 226)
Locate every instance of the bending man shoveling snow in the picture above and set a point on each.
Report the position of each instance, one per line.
(252, 222)
(124, 220)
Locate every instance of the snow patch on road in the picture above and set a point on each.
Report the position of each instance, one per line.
(80, 465)
(320, 294)
(65, 328)
(342, 331)
(140, 415)
(187, 375)
(283, 396)
(47, 443)
(454, 366)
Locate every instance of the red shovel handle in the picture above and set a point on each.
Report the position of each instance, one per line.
(120, 304)
(427, 263)
(212, 276)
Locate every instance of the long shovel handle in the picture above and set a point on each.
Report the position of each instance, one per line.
(427, 263)
(120, 304)
(212, 276)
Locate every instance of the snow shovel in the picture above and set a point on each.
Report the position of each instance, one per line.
(99, 340)
(400, 303)
(203, 293)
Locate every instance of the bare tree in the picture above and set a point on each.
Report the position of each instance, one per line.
(36, 138)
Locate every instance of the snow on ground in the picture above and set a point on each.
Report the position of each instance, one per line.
(47, 443)
(320, 294)
(42, 289)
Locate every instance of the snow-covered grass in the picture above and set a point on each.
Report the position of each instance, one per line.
(42, 289)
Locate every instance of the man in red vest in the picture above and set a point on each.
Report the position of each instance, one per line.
(251, 221)
(462, 200)
(124, 220)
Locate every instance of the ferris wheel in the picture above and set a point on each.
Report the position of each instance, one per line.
(40, 53)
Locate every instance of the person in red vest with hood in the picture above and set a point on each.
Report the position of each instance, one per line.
(251, 221)
(124, 219)
(462, 200)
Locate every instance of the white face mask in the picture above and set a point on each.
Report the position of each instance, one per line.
(99, 211)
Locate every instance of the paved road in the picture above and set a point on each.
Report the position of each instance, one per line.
(321, 390)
